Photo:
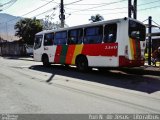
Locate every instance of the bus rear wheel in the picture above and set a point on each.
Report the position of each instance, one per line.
(82, 63)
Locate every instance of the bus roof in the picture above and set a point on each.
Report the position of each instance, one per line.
(87, 25)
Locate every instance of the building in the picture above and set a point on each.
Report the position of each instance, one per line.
(11, 46)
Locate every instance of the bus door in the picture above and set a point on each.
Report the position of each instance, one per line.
(38, 47)
(48, 47)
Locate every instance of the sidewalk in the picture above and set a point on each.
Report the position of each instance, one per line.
(152, 67)
(26, 58)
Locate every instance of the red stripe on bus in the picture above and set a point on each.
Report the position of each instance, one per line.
(58, 54)
(105, 49)
(70, 53)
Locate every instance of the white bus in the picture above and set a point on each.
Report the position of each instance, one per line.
(114, 43)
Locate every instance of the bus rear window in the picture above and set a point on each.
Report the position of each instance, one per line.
(137, 31)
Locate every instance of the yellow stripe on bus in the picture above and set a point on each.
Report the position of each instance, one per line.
(132, 48)
(78, 50)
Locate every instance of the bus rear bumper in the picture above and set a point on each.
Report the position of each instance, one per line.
(124, 62)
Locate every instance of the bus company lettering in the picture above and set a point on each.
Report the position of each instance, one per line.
(108, 47)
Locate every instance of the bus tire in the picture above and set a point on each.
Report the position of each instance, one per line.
(45, 61)
(82, 63)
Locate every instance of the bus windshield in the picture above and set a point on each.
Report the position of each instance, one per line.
(137, 31)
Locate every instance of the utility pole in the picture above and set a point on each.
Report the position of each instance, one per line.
(7, 30)
(62, 16)
(149, 39)
(129, 8)
(132, 9)
(135, 9)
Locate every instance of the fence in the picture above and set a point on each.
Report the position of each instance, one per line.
(12, 49)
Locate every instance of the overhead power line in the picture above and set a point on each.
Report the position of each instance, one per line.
(37, 8)
(91, 4)
(113, 8)
(45, 12)
(73, 2)
(145, 20)
(153, 7)
(149, 8)
(98, 9)
(156, 23)
(30, 11)
(89, 9)
(9, 2)
(6, 5)
(49, 1)
(99, 6)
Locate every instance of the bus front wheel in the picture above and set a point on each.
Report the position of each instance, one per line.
(45, 61)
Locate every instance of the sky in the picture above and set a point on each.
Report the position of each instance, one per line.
(78, 12)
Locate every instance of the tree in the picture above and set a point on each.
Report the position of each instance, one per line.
(96, 18)
(27, 28)
(49, 25)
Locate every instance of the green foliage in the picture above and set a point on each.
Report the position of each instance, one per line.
(96, 18)
(27, 28)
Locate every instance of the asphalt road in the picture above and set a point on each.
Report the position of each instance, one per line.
(28, 87)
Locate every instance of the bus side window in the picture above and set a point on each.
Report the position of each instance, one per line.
(75, 36)
(110, 33)
(48, 39)
(93, 35)
(38, 41)
(60, 38)
(72, 36)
